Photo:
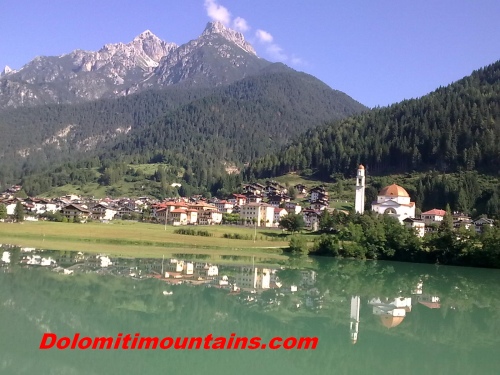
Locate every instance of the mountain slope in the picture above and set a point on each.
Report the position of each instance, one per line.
(453, 128)
(200, 132)
(246, 119)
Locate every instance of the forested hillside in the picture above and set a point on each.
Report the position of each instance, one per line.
(454, 128)
(199, 131)
(34, 137)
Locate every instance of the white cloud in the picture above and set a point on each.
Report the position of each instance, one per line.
(264, 36)
(276, 52)
(217, 12)
(297, 61)
(240, 24)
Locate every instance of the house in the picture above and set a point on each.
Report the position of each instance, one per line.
(278, 214)
(318, 193)
(177, 216)
(224, 206)
(395, 201)
(75, 211)
(271, 190)
(209, 217)
(260, 213)
(467, 224)
(275, 200)
(301, 189)
(161, 210)
(253, 198)
(121, 211)
(292, 207)
(254, 188)
(39, 206)
(460, 216)
(481, 223)
(201, 206)
(101, 211)
(311, 219)
(319, 205)
(417, 225)
(239, 199)
(10, 206)
(72, 198)
(434, 216)
(192, 216)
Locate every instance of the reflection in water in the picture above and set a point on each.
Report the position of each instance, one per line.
(404, 318)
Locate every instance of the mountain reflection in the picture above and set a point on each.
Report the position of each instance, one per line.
(409, 318)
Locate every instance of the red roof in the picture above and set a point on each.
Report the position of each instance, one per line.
(435, 212)
(178, 210)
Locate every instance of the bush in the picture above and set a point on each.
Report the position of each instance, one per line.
(237, 236)
(192, 232)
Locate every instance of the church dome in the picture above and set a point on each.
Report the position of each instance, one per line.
(390, 321)
(394, 191)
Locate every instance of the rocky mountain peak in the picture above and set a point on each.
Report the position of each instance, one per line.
(6, 71)
(146, 35)
(217, 28)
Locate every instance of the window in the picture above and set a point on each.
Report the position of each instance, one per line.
(390, 211)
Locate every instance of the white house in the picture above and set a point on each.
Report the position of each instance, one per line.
(278, 214)
(318, 193)
(433, 216)
(292, 207)
(416, 224)
(224, 206)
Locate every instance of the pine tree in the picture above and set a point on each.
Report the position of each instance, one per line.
(19, 212)
(3, 211)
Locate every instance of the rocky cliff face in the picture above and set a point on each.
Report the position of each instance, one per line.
(219, 56)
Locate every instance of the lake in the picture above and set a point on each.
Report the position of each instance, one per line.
(368, 317)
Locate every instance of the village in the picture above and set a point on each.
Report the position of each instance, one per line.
(256, 205)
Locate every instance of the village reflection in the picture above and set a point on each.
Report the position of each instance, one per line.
(267, 288)
(448, 315)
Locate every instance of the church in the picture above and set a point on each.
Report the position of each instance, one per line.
(393, 200)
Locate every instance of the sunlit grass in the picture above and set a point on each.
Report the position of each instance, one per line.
(139, 239)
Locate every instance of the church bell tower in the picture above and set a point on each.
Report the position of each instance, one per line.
(359, 204)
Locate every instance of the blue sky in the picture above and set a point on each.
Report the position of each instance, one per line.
(378, 52)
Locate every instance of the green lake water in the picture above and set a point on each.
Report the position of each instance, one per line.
(369, 317)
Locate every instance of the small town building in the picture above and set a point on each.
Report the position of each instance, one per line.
(434, 216)
(416, 224)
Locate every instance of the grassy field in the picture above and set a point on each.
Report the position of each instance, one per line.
(140, 239)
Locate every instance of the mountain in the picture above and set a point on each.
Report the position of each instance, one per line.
(244, 120)
(455, 128)
(201, 106)
(219, 56)
(190, 128)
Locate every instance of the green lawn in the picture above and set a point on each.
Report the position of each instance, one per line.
(140, 239)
